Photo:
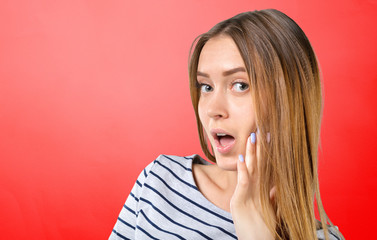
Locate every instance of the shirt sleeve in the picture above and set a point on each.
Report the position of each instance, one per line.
(125, 225)
(332, 234)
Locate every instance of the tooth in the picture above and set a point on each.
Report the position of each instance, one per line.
(221, 134)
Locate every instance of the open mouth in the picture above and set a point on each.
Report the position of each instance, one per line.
(224, 141)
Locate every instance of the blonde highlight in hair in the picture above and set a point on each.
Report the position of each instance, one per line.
(285, 84)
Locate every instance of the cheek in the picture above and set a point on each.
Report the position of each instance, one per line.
(242, 107)
(248, 113)
(245, 115)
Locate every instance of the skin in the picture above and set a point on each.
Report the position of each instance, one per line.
(226, 103)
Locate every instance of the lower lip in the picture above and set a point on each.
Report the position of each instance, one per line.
(224, 149)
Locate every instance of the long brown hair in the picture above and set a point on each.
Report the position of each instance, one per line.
(286, 88)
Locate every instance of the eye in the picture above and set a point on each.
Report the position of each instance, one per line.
(240, 86)
(205, 88)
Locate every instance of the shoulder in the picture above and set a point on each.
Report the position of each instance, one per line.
(174, 162)
(165, 173)
(334, 233)
(161, 168)
(164, 163)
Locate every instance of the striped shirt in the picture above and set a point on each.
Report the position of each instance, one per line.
(166, 204)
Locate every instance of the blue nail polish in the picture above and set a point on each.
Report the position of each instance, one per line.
(252, 138)
(241, 158)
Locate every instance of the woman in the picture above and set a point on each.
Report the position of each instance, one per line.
(255, 88)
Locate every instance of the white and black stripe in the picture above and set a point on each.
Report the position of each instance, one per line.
(166, 204)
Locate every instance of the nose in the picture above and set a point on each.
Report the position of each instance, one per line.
(217, 106)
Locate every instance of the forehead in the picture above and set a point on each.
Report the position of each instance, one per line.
(220, 54)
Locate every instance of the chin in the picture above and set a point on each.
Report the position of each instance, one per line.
(228, 163)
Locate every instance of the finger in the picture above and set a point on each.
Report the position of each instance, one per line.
(252, 165)
(242, 180)
(251, 158)
(258, 149)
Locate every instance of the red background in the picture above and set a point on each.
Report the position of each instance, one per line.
(92, 91)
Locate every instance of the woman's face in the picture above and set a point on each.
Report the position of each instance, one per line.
(226, 109)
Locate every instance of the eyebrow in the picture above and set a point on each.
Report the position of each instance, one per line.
(234, 70)
(225, 73)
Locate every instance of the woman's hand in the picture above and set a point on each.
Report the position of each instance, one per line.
(245, 204)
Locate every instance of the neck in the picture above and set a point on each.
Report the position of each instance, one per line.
(225, 179)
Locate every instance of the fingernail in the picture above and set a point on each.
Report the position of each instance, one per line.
(268, 137)
(252, 138)
(241, 158)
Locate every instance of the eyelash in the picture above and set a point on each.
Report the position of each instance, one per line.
(200, 85)
(243, 83)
